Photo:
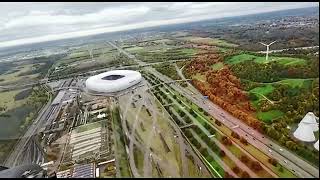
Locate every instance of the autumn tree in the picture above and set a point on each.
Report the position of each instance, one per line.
(273, 161)
(244, 141)
(256, 166)
(236, 169)
(244, 174)
(244, 159)
(235, 135)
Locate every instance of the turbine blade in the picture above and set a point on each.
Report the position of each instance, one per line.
(272, 42)
(263, 44)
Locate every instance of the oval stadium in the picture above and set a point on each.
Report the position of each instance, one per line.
(112, 81)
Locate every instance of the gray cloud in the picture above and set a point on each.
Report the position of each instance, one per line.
(22, 23)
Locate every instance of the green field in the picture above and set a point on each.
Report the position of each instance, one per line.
(134, 49)
(296, 82)
(13, 77)
(209, 41)
(287, 61)
(269, 115)
(7, 99)
(88, 127)
(264, 90)
(217, 66)
(189, 51)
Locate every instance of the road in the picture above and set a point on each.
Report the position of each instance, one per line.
(286, 158)
(297, 48)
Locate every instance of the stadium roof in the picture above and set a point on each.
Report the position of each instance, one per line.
(304, 132)
(310, 119)
(316, 145)
(113, 81)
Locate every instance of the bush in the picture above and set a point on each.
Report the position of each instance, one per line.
(226, 141)
(256, 166)
(217, 122)
(235, 135)
(222, 153)
(244, 159)
(273, 161)
(244, 174)
(236, 169)
(244, 141)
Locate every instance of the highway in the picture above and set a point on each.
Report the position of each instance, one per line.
(297, 48)
(286, 158)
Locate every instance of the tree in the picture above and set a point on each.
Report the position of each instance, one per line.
(217, 122)
(244, 174)
(244, 159)
(226, 141)
(256, 166)
(222, 153)
(235, 135)
(236, 169)
(273, 161)
(244, 141)
(281, 169)
(227, 175)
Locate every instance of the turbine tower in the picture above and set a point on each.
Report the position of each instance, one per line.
(267, 45)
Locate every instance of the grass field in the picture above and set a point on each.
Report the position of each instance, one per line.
(134, 49)
(210, 41)
(7, 99)
(189, 51)
(217, 66)
(269, 116)
(163, 41)
(287, 61)
(13, 77)
(264, 90)
(296, 82)
(88, 127)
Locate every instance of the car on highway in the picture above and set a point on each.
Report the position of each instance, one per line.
(285, 161)
(281, 149)
(269, 150)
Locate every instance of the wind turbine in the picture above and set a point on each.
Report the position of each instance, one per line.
(267, 45)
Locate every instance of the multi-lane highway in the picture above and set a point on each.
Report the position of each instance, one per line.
(294, 163)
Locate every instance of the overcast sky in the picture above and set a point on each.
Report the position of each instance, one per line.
(23, 23)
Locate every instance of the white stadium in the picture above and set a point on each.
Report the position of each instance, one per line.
(113, 81)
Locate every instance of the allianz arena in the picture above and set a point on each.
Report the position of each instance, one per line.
(112, 81)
